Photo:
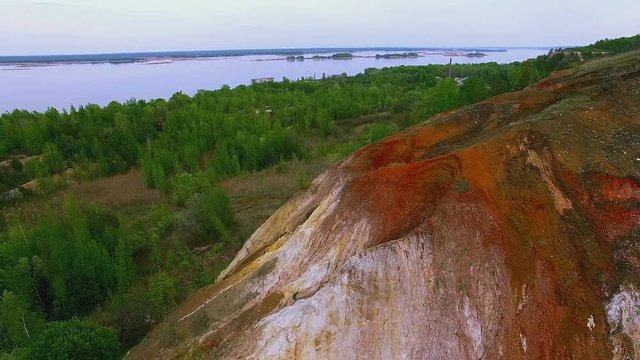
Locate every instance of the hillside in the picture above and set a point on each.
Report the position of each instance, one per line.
(507, 229)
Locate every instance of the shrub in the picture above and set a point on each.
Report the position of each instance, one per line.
(75, 339)
(49, 185)
(52, 158)
(34, 168)
(162, 293)
(379, 131)
(304, 179)
(16, 164)
(18, 323)
(213, 212)
(184, 186)
(128, 314)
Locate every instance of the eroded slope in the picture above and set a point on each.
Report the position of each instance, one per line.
(508, 229)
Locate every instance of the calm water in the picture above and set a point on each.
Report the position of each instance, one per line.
(63, 85)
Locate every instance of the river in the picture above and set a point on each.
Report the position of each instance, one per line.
(61, 85)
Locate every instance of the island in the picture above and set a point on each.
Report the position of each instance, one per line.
(397, 56)
(336, 56)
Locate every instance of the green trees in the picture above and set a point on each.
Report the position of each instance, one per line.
(444, 96)
(75, 339)
(124, 267)
(72, 261)
(4, 148)
(473, 90)
(248, 128)
(34, 168)
(212, 210)
(19, 325)
(184, 186)
(324, 123)
(63, 265)
(379, 131)
(162, 292)
(616, 45)
(52, 158)
(525, 74)
(66, 265)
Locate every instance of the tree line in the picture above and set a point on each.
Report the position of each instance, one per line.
(58, 270)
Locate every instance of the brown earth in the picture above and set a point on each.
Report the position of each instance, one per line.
(116, 191)
(508, 229)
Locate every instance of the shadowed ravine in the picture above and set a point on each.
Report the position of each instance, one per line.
(507, 229)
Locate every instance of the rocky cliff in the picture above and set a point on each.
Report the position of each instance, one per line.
(508, 229)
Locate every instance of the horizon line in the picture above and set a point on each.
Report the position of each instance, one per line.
(145, 52)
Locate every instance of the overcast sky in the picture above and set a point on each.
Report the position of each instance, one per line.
(99, 26)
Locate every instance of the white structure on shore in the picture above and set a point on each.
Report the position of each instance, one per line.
(261, 80)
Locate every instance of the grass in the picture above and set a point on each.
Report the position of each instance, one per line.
(256, 196)
(117, 192)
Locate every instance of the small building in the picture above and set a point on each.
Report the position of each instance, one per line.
(261, 80)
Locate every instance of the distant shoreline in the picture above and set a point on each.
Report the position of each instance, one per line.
(36, 87)
(145, 57)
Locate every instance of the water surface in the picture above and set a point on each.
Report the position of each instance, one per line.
(61, 85)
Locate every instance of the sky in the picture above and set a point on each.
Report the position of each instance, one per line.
(33, 27)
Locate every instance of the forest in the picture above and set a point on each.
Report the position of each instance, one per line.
(86, 275)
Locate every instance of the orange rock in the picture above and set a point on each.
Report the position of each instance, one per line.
(509, 229)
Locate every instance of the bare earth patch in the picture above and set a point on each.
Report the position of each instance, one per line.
(116, 191)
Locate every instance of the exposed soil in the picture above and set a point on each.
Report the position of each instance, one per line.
(507, 229)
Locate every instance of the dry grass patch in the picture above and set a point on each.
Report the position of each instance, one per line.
(256, 196)
(116, 191)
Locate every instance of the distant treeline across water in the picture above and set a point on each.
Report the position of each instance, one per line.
(40, 82)
(141, 56)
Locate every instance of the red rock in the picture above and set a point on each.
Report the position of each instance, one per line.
(508, 229)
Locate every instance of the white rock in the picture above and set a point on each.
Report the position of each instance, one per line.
(591, 323)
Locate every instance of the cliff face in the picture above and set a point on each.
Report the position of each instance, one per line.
(508, 229)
